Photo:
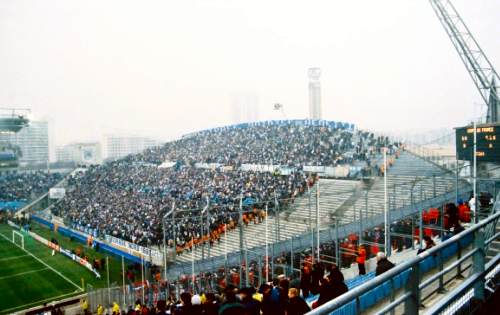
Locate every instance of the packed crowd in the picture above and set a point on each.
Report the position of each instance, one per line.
(25, 186)
(280, 296)
(279, 144)
(128, 198)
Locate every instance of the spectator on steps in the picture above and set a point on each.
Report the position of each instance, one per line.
(361, 260)
(383, 264)
(429, 243)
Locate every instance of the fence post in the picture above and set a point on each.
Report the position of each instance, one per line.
(478, 261)
(412, 304)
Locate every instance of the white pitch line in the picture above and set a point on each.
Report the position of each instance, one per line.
(44, 263)
(39, 302)
(13, 257)
(22, 273)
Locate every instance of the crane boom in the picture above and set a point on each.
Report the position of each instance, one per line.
(477, 64)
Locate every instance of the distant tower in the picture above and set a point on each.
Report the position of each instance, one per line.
(314, 93)
(245, 108)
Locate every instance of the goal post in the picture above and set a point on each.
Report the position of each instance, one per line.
(18, 236)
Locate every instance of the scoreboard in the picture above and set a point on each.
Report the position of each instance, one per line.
(487, 143)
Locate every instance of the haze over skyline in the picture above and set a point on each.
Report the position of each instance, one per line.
(163, 69)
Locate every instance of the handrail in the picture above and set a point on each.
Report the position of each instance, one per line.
(357, 292)
(467, 284)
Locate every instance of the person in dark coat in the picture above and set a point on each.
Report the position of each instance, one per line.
(330, 289)
(336, 273)
(296, 304)
(316, 275)
(429, 243)
(305, 281)
(251, 305)
(383, 264)
(270, 300)
(210, 307)
(231, 306)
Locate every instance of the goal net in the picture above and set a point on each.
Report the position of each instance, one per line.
(18, 238)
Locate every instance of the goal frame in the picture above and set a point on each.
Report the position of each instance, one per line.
(14, 233)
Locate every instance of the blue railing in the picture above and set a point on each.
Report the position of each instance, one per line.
(408, 276)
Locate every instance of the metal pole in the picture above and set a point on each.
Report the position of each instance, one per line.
(142, 277)
(208, 227)
(475, 174)
(317, 219)
(456, 182)
(225, 254)
(360, 225)
(123, 281)
(310, 224)
(107, 276)
(173, 230)
(242, 250)
(266, 268)
(291, 255)
(337, 244)
(192, 261)
(386, 210)
(164, 249)
(277, 214)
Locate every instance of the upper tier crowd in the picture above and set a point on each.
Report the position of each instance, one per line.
(284, 144)
(128, 198)
(26, 186)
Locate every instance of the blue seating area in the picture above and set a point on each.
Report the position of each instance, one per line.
(11, 205)
(384, 290)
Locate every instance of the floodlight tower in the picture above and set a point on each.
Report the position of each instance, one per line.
(314, 93)
(477, 64)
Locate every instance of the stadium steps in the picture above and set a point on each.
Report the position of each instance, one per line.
(494, 247)
(406, 171)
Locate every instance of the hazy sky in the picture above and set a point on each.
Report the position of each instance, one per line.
(165, 68)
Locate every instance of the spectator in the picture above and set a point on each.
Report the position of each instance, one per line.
(210, 306)
(251, 305)
(296, 305)
(270, 301)
(331, 287)
(361, 259)
(383, 264)
(231, 306)
(429, 243)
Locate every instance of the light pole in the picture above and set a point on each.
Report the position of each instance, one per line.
(202, 229)
(171, 212)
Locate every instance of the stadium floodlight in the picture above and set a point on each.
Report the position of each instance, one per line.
(19, 236)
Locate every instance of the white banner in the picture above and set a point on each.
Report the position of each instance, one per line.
(57, 193)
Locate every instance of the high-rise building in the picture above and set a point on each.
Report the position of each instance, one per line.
(245, 108)
(80, 153)
(119, 146)
(314, 93)
(33, 141)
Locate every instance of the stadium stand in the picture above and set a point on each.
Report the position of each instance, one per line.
(128, 198)
(18, 189)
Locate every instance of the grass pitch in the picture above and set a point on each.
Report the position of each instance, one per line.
(33, 276)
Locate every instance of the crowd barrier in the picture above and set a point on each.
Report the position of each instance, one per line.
(384, 290)
(82, 238)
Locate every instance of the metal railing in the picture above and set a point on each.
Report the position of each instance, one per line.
(412, 293)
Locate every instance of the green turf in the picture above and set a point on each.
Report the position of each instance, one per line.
(26, 282)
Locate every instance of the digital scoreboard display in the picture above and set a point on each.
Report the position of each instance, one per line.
(487, 143)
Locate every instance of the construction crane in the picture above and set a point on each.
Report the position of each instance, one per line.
(477, 64)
